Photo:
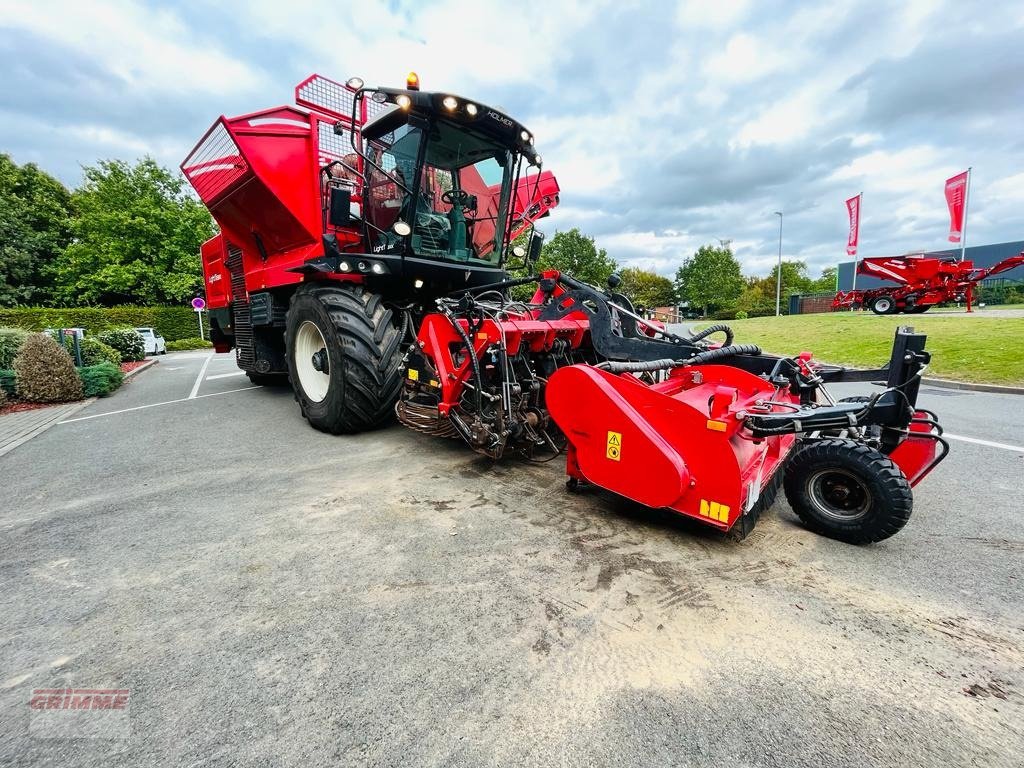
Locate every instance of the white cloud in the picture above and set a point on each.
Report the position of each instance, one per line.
(145, 48)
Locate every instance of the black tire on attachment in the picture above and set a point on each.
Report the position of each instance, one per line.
(848, 491)
(343, 351)
(918, 309)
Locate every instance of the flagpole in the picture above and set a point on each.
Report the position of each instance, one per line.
(963, 233)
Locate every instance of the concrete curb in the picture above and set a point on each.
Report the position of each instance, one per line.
(144, 366)
(998, 389)
(57, 414)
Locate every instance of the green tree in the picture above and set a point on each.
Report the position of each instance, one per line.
(136, 237)
(576, 255)
(794, 278)
(646, 288)
(34, 229)
(710, 278)
(826, 283)
(758, 296)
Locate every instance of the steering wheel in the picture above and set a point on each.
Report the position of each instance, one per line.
(459, 197)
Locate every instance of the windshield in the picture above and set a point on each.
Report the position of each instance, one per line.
(463, 191)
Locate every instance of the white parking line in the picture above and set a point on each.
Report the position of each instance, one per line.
(225, 375)
(989, 443)
(154, 405)
(199, 378)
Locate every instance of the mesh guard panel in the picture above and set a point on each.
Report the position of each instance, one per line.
(215, 164)
(321, 94)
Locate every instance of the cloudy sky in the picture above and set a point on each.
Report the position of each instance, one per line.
(668, 127)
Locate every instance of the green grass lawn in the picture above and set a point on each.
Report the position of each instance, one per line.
(980, 349)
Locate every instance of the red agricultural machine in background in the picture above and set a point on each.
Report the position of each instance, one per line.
(341, 218)
(923, 282)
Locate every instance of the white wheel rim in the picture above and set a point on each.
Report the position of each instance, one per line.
(309, 341)
(883, 305)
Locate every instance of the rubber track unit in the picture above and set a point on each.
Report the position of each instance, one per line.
(892, 499)
(370, 357)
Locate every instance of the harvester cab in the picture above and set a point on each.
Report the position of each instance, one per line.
(443, 184)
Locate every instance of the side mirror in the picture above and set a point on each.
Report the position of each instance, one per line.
(614, 280)
(340, 214)
(536, 243)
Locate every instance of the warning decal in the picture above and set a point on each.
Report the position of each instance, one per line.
(614, 447)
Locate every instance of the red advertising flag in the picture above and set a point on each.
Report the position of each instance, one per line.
(853, 208)
(956, 196)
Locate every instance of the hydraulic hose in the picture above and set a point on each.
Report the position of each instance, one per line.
(710, 356)
(721, 353)
(713, 329)
(474, 363)
(651, 365)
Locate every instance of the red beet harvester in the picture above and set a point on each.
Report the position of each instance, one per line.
(365, 235)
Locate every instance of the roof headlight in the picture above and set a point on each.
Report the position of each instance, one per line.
(403, 101)
(344, 266)
(377, 268)
(355, 83)
(524, 136)
(379, 96)
(471, 110)
(450, 103)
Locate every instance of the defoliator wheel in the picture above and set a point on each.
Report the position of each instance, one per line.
(343, 352)
(848, 491)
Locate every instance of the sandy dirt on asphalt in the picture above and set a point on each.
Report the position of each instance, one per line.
(661, 608)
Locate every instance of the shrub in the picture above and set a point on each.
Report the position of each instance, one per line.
(11, 340)
(126, 341)
(100, 380)
(8, 384)
(45, 373)
(182, 344)
(3, 398)
(93, 352)
(742, 315)
(724, 314)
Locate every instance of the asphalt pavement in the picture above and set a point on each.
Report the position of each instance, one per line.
(269, 595)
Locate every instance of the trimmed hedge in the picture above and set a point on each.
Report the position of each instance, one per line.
(127, 341)
(11, 340)
(100, 380)
(172, 323)
(183, 344)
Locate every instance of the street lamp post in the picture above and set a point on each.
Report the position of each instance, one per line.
(778, 271)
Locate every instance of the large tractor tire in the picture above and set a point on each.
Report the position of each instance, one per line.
(883, 305)
(848, 491)
(343, 352)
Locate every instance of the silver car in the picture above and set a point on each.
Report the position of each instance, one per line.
(155, 344)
